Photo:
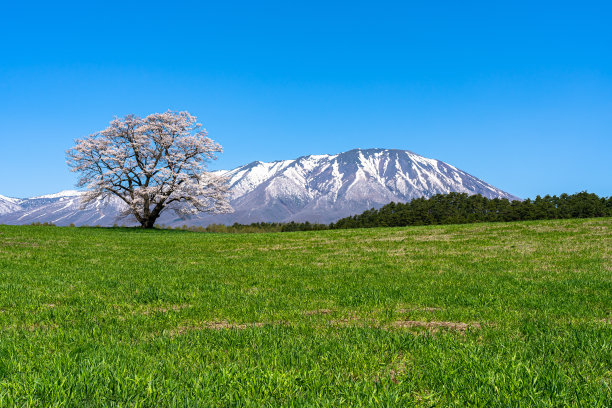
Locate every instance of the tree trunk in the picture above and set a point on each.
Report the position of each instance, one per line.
(148, 223)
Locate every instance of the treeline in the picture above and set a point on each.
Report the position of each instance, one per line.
(460, 208)
(453, 208)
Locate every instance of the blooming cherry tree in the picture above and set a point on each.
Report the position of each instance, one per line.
(151, 164)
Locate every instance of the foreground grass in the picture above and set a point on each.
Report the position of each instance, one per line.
(516, 314)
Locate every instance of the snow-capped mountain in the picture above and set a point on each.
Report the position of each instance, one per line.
(324, 188)
(8, 204)
(315, 188)
(61, 208)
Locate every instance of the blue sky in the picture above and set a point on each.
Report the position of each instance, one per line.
(518, 94)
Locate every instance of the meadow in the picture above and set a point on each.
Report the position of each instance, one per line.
(500, 314)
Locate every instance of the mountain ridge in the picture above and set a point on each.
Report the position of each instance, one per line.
(317, 188)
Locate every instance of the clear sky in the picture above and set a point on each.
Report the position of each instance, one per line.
(516, 93)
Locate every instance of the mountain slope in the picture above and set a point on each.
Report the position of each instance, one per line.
(63, 208)
(315, 188)
(9, 205)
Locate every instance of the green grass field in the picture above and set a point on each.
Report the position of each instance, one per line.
(508, 314)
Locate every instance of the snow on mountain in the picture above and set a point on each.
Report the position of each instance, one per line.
(8, 204)
(64, 208)
(62, 194)
(315, 188)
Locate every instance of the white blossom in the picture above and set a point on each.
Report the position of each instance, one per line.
(152, 164)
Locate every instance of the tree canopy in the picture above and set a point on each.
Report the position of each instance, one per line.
(151, 164)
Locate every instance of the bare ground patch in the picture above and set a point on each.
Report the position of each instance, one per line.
(434, 326)
(549, 228)
(419, 309)
(15, 243)
(428, 326)
(214, 325)
(433, 237)
(388, 238)
(394, 370)
(607, 264)
(398, 367)
(318, 312)
(608, 321)
(280, 247)
(165, 309)
(43, 326)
